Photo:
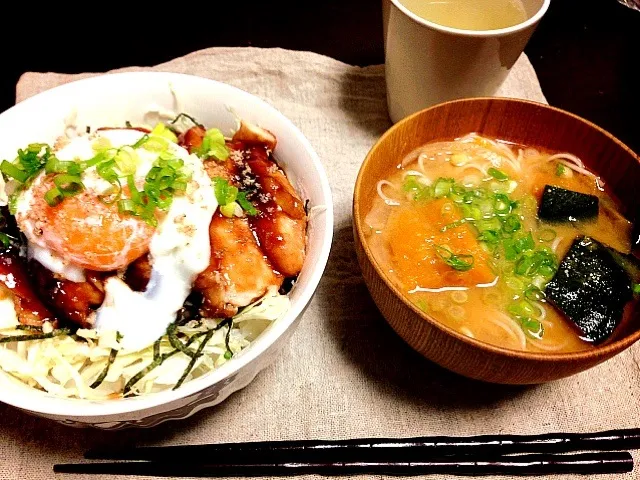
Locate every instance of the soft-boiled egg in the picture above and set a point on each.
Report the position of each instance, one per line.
(84, 232)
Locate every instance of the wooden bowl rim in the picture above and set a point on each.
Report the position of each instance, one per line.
(605, 351)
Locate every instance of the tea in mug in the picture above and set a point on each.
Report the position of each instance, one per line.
(469, 14)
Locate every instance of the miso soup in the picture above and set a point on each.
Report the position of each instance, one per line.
(457, 227)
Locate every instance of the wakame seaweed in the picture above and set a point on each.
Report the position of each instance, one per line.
(562, 205)
(591, 289)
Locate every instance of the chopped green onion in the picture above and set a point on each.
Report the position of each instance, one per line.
(156, 144)
(179, 186)
(442, 187)
(533, 293)
(560, 170)
(10, 170)
(168, 160)
(501, 204)
(100, 144)
(133, 190)
(126, 205)
(489, 236)
(636, 288)
(112, 194)
(411, 184)
(514, 247)
(98, 158)
(213, 145)
(246, 205)
(5, 239)
(455, 224)
(224, 192)
(218, 151)
(54, 165)
(461, 263)
(53, 197)
(546, 235)
(144, 139)
(498, 174)
(126, 159)
(69, 185)
(107, 171)
(161, 130)
(531, 326)
(521, 308)
(511, 224)
(228, 210)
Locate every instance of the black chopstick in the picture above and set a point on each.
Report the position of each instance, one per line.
(536, 464)
(379, 449)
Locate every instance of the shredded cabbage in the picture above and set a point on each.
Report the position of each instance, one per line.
(68, 365)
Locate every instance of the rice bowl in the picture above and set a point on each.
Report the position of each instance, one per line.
(125, 98)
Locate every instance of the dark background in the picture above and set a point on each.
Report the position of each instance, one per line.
(586, 52)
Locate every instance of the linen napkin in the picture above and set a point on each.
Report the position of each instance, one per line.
(345, 373)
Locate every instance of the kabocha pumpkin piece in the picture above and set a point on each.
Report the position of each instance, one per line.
(562, 205)
(591, 289)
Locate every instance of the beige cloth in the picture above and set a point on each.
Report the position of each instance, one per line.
(345, 373)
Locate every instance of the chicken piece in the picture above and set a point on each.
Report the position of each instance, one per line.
(192, 138)
(238, 273)
(250, 133)
(138, 274)
(282, 221)
(227, 169)
(74, 301)
(29, 309)
(283, 239)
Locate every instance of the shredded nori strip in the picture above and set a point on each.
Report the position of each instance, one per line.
(186, 115)
(198, 354)
(138, 376)
(226, 340)
(176, 343)
(37, 336)
(31, 328)
(287, 285)
(112, 358)
(158, 360)
(156, 349)
(103, 375)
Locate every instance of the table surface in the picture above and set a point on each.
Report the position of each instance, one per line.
(584, 51)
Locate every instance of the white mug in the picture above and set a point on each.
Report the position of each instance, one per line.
(427, 63)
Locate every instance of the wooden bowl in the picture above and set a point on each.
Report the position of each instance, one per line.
(520, 122)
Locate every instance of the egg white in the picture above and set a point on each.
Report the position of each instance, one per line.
(179, 248)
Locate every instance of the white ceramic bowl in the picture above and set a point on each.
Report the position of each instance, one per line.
(114, 99)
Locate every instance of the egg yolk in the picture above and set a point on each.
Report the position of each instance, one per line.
(84, 230)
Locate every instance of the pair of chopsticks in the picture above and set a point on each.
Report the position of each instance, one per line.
(479, 455)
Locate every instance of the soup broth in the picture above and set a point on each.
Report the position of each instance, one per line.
(469, 14)
(455, 225)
